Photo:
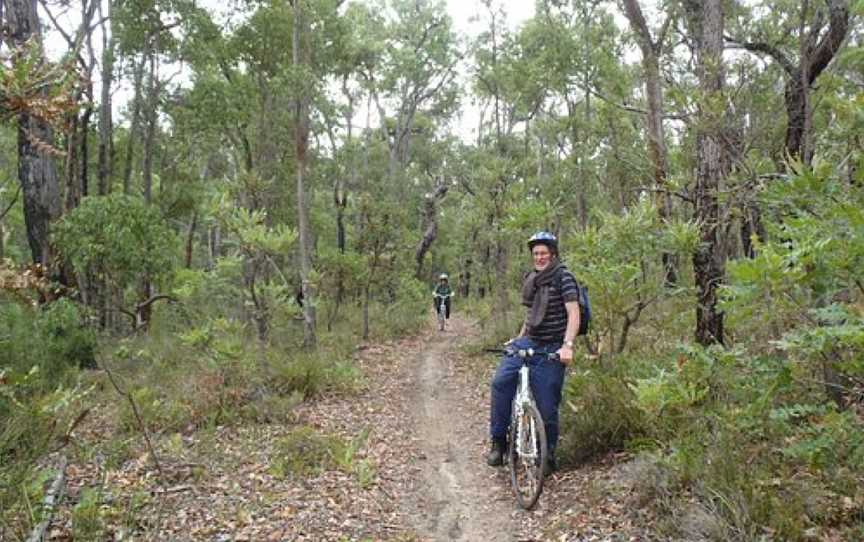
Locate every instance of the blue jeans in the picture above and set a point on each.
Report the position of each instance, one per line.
(547, 380)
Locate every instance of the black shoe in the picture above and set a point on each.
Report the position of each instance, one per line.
(550, 466)
(495, 458)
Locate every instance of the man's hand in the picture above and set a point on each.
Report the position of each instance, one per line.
(565, 354)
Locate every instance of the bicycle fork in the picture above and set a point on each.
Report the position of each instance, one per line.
(526, 445)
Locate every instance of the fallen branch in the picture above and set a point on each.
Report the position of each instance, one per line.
(51, 500)
(169, 490)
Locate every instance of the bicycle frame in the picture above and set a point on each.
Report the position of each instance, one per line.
(523, 399)
(442, 308)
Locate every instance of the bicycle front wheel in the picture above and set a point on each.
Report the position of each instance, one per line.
(527, 455)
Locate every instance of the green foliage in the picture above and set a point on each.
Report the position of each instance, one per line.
(409, 311)
(304, 452)
(53, 338)
(711, 411)
(87, 523)
(65, 336)
(252, 229)
(118, 238)
(310, 375)
(598, 415)
(32, 415)
(619, 260)
(207, 375)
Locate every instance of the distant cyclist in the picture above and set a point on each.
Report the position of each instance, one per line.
(551, 296)
(442, 289)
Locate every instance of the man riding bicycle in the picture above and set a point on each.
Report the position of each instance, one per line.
(442, 290)
(551, 296)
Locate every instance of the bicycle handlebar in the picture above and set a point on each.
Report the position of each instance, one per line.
(522, 352)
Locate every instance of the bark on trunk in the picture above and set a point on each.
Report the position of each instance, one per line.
(190, 240)
(651, 48)
(152, 121)
(430, 222)
(134, 126)
(73, 187)
(301, 140)
(37, 172)
(145, 311)
(708, 259)
(106, 136)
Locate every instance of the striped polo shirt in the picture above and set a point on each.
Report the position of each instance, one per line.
(551, 329)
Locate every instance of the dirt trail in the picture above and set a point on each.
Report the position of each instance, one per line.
(421, 475)
(462, 502)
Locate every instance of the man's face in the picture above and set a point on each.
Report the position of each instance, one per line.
(542, 256)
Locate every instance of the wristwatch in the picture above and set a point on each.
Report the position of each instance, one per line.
(568, 344)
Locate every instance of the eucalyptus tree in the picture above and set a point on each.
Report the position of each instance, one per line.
(706, 21)
(233, 118)
(802, 38)
(78, 122)
(411, 75)
(494, 161)
(300, 55)
(106, 151)
(415, 70)
(398, 67)
(651, 46)
(139, 30)
(154, 30)
(37, 172)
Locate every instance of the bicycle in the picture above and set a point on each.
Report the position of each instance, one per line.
(527, 448)
(442, 311)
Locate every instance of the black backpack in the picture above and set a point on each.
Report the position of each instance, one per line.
(584, 303)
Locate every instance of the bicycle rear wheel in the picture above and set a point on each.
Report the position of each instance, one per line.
(527, 455)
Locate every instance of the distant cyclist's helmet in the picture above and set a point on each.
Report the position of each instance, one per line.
(544, 238)
(443, 276)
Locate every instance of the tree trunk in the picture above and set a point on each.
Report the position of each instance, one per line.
(145, 312)
(709, 263)
(301, 140)
(134, 125)
(152, 122)
(37, 172)
(430, 221)
(106, 136)
(73, 186)
(190, 240)
(651, 49)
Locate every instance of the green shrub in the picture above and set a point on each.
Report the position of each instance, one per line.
(52, 337)
(304, 452)
(312, 374)
(598, 415)
(29, 423)
(87, 521)
(410, 311)
(158, 411)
